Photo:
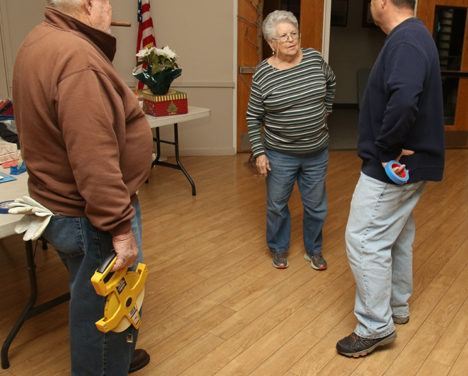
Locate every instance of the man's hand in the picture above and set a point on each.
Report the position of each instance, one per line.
(126, 250)
(399, 169)
(263, 165)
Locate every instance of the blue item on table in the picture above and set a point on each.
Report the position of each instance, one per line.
(19, 169)
(5, 177)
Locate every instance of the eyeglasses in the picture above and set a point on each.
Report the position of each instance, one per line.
(285, 37)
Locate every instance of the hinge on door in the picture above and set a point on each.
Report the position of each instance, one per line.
(246, 70)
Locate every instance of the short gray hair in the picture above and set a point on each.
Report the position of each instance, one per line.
(66, 5)
(405, 3)
(273, 19)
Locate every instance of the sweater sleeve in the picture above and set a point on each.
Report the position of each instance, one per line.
(331, 86)
(255, 112)
(404, 80)
(92, 120)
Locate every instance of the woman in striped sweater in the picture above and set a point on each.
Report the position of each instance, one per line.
(292, 94)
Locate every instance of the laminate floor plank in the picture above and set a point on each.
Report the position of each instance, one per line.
(214, 305)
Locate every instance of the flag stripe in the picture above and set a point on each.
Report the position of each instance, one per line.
(145, 37)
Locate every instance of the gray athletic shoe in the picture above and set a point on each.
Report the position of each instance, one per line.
(280, 260)
(317, 262)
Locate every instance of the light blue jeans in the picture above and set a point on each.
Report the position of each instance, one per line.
(310, 173)
(82, 249)
(379, 241)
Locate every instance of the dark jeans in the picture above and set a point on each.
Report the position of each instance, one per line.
(82, 249)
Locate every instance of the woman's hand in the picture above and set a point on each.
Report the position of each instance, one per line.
(263, 165)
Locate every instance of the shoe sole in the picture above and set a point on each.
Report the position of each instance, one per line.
(143, 364)
(282, 266)
(385, 341)
(307, 258)
(400, 320)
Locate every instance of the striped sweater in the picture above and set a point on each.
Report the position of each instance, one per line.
(292, 104)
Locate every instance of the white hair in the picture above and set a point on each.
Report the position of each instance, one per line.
(273, 19)
(66, 5)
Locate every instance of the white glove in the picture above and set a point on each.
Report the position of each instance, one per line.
(27, 205)
(35, 220)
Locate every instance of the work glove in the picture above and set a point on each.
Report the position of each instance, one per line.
(35, 220)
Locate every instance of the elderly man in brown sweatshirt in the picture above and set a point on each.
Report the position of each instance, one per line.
(87, 147)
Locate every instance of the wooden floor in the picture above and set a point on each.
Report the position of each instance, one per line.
(214, 305)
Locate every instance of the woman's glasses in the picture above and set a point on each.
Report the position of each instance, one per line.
(285, 37)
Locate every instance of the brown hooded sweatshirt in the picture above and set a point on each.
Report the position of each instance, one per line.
(83, 136)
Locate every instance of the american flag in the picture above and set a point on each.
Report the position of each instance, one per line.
(145, 29)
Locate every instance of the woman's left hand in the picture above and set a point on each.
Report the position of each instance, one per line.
(263, 165)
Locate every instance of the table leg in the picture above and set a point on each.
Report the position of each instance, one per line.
(179, 163)
(177, 166)
(157, 139)
(29, 310)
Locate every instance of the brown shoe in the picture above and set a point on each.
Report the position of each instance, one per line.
(355, 346)
(140, 359)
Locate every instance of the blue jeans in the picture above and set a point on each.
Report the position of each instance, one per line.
(310, 173)
(379, 240)
(82, 249)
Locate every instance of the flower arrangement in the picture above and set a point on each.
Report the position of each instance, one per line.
(157, 68)
(158, 58)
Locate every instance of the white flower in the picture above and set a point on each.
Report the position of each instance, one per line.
(159, 52)
(166, 52)
(144, 52)
(157, 59)
(169, 53)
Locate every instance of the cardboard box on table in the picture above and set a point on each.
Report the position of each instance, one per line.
(173, 103)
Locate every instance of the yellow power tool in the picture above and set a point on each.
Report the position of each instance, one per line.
(124, 290)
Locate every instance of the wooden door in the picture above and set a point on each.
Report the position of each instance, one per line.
(247, 46)
(447, 20)
(311, 21)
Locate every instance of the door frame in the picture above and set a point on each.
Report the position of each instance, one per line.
(326, 29)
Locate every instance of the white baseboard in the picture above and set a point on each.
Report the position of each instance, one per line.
(205, 152)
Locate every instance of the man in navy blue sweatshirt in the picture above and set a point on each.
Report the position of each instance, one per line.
(401, 120)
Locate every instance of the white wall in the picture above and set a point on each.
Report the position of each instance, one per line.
(3, 74)
(351, 48)
(201, 32)
(17, 17)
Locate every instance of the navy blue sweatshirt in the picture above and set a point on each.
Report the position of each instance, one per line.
(403, 106)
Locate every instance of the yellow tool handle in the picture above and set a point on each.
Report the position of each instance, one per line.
(101, 283)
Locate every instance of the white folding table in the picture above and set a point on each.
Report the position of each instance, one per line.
(9, 191)
(160, 121)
